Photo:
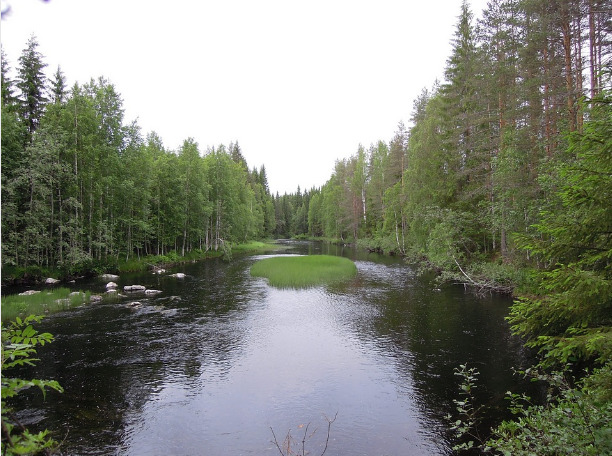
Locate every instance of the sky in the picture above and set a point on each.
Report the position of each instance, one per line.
(298, 84)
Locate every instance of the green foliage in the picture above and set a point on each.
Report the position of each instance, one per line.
(504, 274)
(571, 317)
(34, 273)
(254, 246)
(82, 191)
(172, 257)
(465, 423)
(303, 271)
(379, 242)
(31, 82)
(19, 342)
(575, 421)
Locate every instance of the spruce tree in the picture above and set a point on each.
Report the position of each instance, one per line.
(58, 87)
(7, 84)
(571, 320)
(31, 82)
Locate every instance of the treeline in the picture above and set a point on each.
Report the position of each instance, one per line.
(81, 187)
(479, 161)
(505, 170)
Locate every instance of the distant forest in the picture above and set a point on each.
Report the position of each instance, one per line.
(477, 170)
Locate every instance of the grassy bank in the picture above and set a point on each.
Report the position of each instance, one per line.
(173, 258)
(255, 246)
(12, 275)
(41, 303)
(303, 271)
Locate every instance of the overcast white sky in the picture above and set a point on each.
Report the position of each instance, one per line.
(299, 84)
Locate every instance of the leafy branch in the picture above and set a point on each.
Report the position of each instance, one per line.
(466, 424)
(19, 340)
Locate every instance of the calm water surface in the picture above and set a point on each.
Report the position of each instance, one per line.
(219, 360)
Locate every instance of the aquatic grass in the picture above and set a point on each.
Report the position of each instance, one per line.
(41, 303)
(303, 271)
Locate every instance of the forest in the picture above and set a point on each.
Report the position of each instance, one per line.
(505, 172)
(466, 181)
(81, 189)
(503, 175)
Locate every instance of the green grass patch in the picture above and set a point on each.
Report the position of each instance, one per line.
(304, 271)
(41, 303)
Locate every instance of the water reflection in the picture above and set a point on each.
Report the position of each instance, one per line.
(219, 358)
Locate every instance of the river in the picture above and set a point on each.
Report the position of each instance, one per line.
(220, 363)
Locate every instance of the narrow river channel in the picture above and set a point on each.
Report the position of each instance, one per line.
(220, 361)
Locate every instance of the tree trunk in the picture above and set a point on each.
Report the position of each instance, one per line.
(60, 225)
(578, 66)
(592, 51)
(569, 80)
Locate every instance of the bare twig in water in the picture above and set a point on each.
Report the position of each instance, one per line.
(289, 439)
(275, 442)
(304, 439)
(329, 423)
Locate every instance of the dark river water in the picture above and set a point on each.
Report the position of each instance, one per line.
(220, 360)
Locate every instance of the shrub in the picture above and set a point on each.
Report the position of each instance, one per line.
(576, 422)
(19, 340)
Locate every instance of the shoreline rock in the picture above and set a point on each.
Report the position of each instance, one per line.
(109, 277)
(134, 288)
(29, 292)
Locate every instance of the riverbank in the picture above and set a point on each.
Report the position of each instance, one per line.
(36, 275)
(482, 275)
(37, 302)
(53, 298)
(220, 330)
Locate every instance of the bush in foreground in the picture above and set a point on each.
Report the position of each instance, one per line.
(19, 340)
(573, 421)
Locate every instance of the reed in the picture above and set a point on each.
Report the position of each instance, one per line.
(41, 303)
(303, 271)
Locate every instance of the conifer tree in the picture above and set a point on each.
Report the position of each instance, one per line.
(7, 83)
(58, 87)
(31, 82)
(571, 319)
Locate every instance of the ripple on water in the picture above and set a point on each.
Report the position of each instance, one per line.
(213, 371)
